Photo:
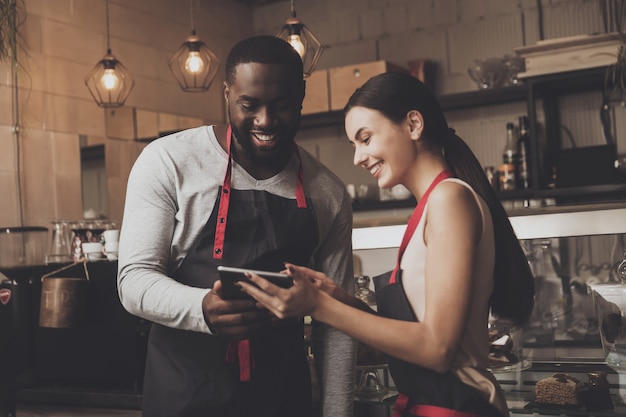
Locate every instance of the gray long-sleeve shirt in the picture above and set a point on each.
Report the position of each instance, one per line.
(171, 192)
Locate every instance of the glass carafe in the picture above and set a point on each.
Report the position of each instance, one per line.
(60, 243)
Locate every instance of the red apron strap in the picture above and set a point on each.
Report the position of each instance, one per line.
(414, 220)
(300, 197)
(241, 349)
(424, 410)
(222, 211)
(401, 403)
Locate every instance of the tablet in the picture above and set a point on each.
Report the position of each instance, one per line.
(230, 275)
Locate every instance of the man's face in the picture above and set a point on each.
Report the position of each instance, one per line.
(264, 104)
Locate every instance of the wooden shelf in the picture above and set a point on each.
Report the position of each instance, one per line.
(448, 102)
(548, 87)
(483, 97)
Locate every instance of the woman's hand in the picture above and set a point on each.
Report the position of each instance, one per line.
(301, 299)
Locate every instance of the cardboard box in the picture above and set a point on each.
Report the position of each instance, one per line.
(317, 98)
(345, 80)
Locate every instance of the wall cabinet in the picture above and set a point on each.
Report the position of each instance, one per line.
(542, 94)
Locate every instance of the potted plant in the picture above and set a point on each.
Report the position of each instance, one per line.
(12, 47)
(12, 16)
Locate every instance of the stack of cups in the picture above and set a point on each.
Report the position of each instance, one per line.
(111, 243)
(93, 251)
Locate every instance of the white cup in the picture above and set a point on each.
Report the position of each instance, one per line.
(111, 235)
(111, 250)
(93, 251)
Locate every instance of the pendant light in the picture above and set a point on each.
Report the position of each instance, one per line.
(109, 82)
(194, 65)
(302, 40)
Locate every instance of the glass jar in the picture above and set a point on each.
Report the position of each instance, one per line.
(506, 346)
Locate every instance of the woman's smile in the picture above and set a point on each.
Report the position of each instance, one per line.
(375, 169)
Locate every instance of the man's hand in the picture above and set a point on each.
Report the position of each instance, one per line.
(235, 318)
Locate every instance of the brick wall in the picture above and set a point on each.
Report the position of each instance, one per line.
(67, 37)
(452, 33)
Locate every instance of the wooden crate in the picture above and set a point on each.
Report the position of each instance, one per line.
(569, 54)
(345, 80)
(317, 99)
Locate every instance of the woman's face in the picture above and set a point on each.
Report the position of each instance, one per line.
(382, 147)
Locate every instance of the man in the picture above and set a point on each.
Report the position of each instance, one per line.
(240, 195)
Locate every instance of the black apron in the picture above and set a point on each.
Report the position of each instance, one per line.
(423, 392)
(190, 374)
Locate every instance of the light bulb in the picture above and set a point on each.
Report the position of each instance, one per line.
(297, 44)
(110, 80)
(194, 63)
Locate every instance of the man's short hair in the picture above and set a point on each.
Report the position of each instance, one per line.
(263, 49)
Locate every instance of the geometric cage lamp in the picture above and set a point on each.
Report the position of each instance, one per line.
(302, 40)
(194, 65)
(109, 82)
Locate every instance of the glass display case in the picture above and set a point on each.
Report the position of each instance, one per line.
(568, 249)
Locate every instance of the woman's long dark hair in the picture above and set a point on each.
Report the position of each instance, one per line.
(394, 95)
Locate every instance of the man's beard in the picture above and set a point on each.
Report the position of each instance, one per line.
(245, 141)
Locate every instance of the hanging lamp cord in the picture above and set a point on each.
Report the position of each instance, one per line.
(293, 9)
(108, 35)
(193, 28)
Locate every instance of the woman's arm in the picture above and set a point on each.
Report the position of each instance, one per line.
(453, 226)
(330, 287)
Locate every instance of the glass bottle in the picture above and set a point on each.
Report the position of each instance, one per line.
(523, 152)
(621, 269)
(551, 302)
(363, 291)
(509, 160)
(367, 356)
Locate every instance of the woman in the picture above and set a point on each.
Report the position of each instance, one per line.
(459, 259)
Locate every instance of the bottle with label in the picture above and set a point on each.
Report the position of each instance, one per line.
(363, 291)
(523, 153)
(366, 355)
(507, 170)
(621, 270)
